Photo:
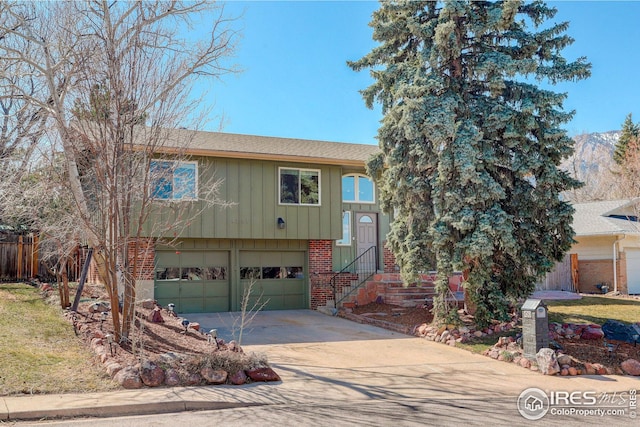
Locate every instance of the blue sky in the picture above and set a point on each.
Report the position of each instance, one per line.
(295, 81)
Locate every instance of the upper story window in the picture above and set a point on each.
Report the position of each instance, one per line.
(357, 188)
(172, 180)
(299, 186)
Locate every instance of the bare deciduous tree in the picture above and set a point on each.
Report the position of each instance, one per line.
(116, 78)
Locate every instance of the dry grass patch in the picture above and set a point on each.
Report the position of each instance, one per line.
(39, 352)
(594, 309)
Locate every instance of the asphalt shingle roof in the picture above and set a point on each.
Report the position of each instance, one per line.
(265, 147)
(594, 218)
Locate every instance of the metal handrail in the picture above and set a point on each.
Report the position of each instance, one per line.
(371, 258)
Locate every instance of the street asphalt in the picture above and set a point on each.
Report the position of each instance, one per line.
(321, 357)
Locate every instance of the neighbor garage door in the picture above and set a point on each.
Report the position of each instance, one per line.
(196, 282)
(277, 279)
(633, 270)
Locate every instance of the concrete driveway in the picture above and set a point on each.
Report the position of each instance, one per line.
(336, 372)
(305, 345)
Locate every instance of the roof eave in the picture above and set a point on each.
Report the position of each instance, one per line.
(262, 156)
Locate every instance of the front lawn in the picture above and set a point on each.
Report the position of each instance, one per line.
(594, 309)
(39, 353)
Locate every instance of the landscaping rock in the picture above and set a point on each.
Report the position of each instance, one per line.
(615, 330)
(564, 359)
(238, 378)
(525, 363)
(129, 378)
(99, 307)
(214, 376)
(156, 315)
(589, 369)
(113, 368)
(171, 377)
(592, 333)
(263, 374)
(151, 374)
(193, 379)
(631, 367)
(547, 362)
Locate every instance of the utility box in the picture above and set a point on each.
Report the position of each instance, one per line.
(535, 327)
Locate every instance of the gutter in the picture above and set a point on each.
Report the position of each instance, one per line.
(615, 273)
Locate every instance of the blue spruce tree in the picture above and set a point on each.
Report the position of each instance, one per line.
(470, 146)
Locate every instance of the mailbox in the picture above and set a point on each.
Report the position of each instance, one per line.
(535, 327)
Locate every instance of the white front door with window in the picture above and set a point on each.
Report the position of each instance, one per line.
(367, 237)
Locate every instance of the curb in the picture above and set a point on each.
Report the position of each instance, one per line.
(119, 410)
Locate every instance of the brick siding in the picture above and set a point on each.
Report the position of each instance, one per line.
(388, 259)
(145, 253)
(320, 271)
(592, 272)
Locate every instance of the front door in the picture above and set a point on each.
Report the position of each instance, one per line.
(367, 237)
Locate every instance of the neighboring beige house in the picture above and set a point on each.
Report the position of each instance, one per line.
(608, 245)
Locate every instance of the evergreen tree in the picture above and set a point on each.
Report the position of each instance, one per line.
(630, 132)
(470, 147)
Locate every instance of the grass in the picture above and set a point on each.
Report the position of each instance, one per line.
(592, 309)
(39, 353)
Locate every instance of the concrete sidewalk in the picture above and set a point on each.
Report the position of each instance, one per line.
(323, 359)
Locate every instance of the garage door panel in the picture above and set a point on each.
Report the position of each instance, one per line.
(217, 289)
(293, 300)
(216, 304)
(166, 290)
(270, 302)
(198, 280)
(191, 305)
(633, 270)
(191, 290)
(269, 287)
(293, 287)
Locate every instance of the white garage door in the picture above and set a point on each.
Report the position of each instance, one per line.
(633, 270)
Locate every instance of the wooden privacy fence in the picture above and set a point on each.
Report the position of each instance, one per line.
(20, 260)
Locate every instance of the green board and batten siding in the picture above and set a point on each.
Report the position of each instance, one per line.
(251, 189)
(245, 234)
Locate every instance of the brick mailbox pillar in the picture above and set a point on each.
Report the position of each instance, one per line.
(535, 327)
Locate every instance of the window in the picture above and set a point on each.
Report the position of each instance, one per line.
(346, 230)
(173, 180)
(299, 186)
(357, 188)
(264, 273)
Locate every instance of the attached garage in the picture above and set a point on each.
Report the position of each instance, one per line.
(211, 276)
(195, 281)
(277, 279)
(633, 270)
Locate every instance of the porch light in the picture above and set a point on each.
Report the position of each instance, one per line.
(281, 223)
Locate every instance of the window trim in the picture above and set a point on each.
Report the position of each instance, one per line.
(356, 189)
(176, 165)
(346, 241)
(300, 170)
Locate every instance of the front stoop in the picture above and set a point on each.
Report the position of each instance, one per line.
(389, 287)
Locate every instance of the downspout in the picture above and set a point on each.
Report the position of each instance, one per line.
(615, 275)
